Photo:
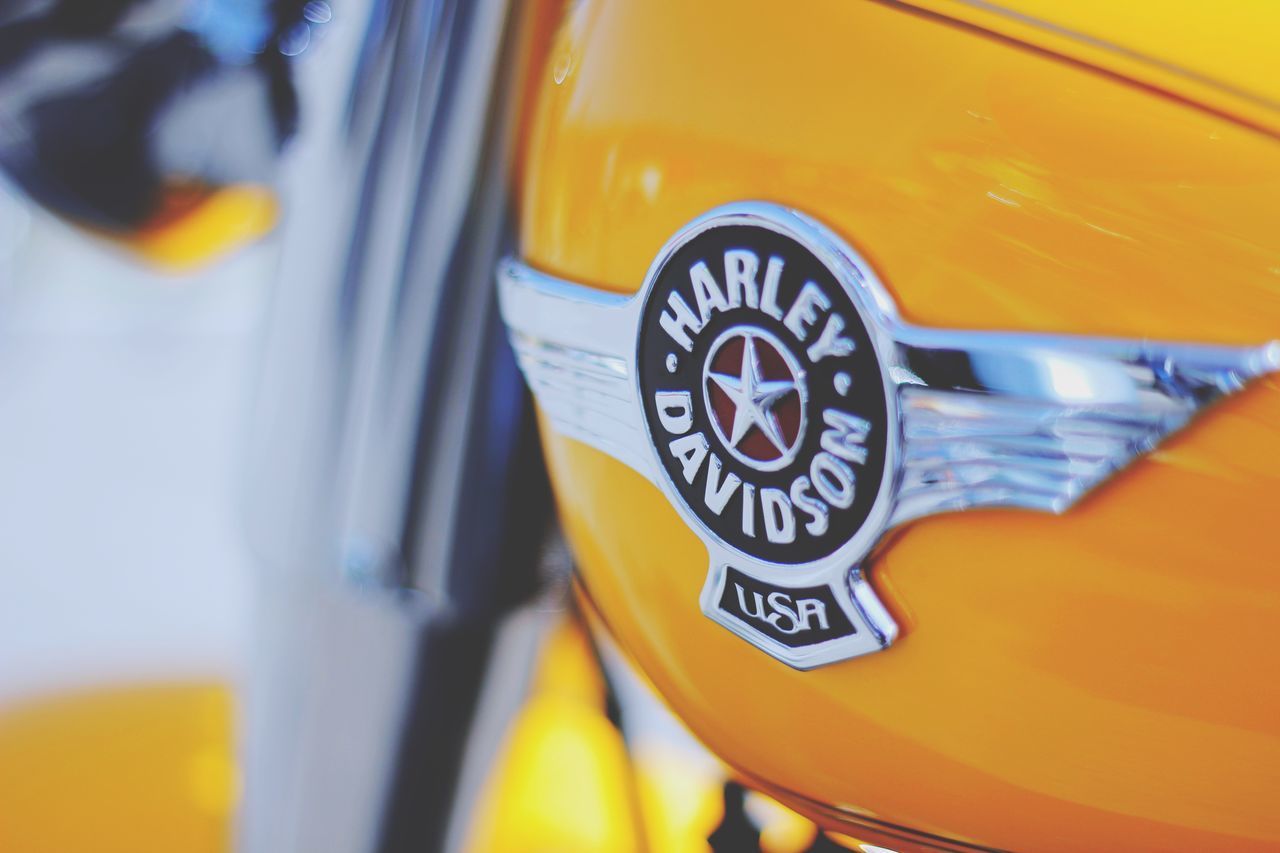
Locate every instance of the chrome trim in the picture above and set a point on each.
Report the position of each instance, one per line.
(984, 419)
(1036, 421)
(572, 344)
(390, 442)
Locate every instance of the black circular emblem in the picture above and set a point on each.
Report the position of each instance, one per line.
(763, 394)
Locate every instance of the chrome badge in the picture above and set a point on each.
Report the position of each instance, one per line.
(762, 379)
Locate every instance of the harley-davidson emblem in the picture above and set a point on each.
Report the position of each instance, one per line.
(762, 389)
(762, 379)
(770, 410)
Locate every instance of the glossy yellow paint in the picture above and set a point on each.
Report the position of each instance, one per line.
(1073, 682)
(132, 770)
(1222, 54)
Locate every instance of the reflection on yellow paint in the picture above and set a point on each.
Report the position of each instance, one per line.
(854, 844)
(132, 770)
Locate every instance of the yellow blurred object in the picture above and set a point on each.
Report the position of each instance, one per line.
(1061, 683)
(781, 829)
(680, 786)
(680, 806)
(200, 226)
(132, 770)
(562, 782)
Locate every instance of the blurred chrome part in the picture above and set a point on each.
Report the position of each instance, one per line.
(508, 674)
(107, 105)
(397, 495)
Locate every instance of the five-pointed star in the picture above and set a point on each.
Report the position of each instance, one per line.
(753, 398)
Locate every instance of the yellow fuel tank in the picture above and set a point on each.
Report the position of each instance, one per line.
(1104, 678)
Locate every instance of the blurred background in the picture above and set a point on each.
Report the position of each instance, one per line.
(124, 400)
(136, 197)
(248, 602)
(125, 395)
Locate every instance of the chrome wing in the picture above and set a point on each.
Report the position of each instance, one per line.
(987, 419)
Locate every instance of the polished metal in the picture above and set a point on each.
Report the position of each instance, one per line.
(576, 346)
(756, 397)
(1047, 418)
(390, 435)
(980, 419)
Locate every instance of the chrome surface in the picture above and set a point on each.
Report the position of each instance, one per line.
(1037, 421)
(756, 397)
(388, 431)
(981, 419)
(575, 357)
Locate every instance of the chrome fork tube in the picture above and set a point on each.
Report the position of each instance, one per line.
(391, 439)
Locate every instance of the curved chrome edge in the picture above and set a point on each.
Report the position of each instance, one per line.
(575, 346)
(1037, 421)
(573, 316)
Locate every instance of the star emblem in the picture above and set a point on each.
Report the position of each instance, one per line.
(754, 398)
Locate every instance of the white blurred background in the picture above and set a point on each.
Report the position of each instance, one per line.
(123, 406)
